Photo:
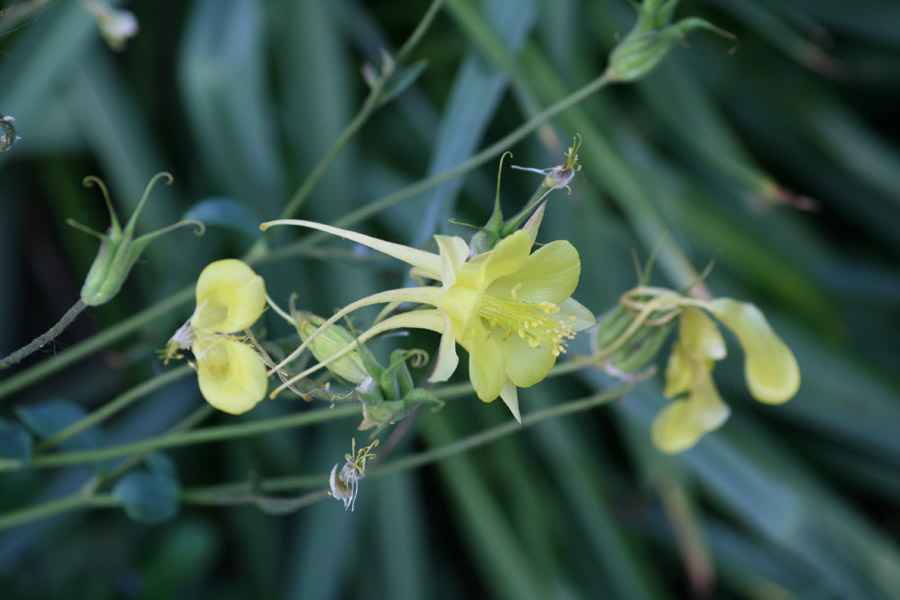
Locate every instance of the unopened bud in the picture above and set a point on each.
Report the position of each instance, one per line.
(350, 367)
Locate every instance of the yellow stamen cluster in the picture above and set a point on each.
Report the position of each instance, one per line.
(533, 322)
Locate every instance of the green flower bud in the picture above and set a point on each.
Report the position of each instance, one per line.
(118, 248)
(350, 367)
(651, 38)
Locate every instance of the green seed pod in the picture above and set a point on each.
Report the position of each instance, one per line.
(611, 327)
(350, 367)
(651, 39)
(118, 248)
(642, 347)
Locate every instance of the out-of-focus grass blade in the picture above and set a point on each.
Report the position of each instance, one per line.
(624, 570)
(226, 212)
(399, 527)
(222, 77)
(476, 93)
(505, 569)
(756, 480)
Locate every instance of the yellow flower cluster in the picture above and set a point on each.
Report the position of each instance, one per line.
(770, 369)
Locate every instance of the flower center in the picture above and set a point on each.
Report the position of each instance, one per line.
(533, 322)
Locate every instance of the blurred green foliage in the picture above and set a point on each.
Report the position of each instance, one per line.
(778, 158)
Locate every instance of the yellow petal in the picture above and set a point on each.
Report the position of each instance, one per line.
(525, 365)
(426, 261)
(769, 365)
(447, 360)
(510, 396)
(507, 257)
(683, 422)
(570, 307)
(487, 366)
(232, 376)
(453, 253)
(700, 336)
(678, 372)
(230, 297)
(550, 274)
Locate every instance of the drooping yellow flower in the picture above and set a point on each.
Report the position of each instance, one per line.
(770, 368)
(230, 298)
(511, 309)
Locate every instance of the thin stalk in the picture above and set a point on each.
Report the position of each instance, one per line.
(223, 493)
(370, 104)
(113, 406)
(415, 189)
(186, 438)
(489, 435)
(94, 343)
(45, 338)
(86, 497)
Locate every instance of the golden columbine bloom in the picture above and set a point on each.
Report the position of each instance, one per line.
(230, 298)
(770, 368)
(511, 309)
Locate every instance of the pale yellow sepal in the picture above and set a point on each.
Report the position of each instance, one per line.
(682, 423)
(769, 365)
(230, 297)
(231, 375)
(425, 261)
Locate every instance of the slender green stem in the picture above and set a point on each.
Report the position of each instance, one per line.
(42, 511)
(43, 339)
(101, 340)
(113, 406)
(17, 14)
(489, 435)
(423, 185)
(222, 493)
(539, 195)
(370, 104)
(199, 436)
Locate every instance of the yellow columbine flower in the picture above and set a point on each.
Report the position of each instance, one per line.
(230, 298)
(509, 308)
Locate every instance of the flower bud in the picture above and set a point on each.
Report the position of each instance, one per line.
(350, 367)
(651, 38)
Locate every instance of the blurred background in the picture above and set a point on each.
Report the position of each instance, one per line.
(776, 156)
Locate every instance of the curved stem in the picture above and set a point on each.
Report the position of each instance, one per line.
(239, 490)
(415, 189)
(113, 406)
(92, 344)
(370, 104)
(186, 438)
(39, 342)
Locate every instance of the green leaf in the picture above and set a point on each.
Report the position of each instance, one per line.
(226, 212)
(47, 418)
(15, 442)
(148, 498)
